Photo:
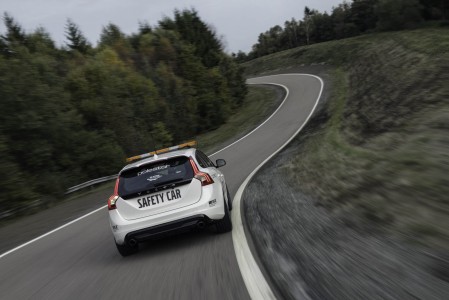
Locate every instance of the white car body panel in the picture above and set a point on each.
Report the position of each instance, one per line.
(196, 200)
(121, 227)
(160, 202)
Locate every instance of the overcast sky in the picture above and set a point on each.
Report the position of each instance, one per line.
(238, 22)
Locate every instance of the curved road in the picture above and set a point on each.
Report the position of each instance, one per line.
(80, 260)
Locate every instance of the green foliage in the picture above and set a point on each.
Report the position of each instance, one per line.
(434, 9)
(195, 32)
(14, 32)
(14, 185)
(77, 41)
(73, 114)
(41, 42)
(161, 136)
(363, 14)
(347, 19)
(398, 14)
(110, 35)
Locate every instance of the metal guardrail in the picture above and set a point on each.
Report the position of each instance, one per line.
(90, 183)
(18, 210)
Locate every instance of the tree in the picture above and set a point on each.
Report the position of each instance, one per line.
(60, 109)
(15, 38)
(77, 41)
(15, 186)
(343, 21)
(398, 14)
(291, 33)
(40, 41)
(161, 136)
(363, 13)
(235, 81)
(308, 22)
(14, 32)
(323, 27)
(3, 47)
(145, 27)
(194, 31)
(435, 9)
(110, 35)
(240, 56)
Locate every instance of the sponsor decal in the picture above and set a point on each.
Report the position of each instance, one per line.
(154, 177)
(158, 168)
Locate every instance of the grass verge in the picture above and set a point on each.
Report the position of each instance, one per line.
(377, 155)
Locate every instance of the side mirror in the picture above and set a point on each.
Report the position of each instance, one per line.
(220, 163)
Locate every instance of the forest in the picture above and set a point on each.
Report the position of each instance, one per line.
(72, 113)
(347, 20)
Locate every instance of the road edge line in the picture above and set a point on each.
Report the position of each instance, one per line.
(52, 231)
(260, 125)
(255, 281)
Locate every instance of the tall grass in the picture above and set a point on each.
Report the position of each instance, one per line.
(379, 158)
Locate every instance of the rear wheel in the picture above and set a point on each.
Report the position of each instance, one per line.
(225, 224)
(126, 250)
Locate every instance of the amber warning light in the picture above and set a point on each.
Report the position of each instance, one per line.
(191, 144)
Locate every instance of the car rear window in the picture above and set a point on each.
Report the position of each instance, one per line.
(155, 176)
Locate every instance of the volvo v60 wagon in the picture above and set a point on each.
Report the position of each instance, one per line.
(170, 191)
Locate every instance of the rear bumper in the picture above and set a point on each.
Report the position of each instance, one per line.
(168, 229)
(209, 208)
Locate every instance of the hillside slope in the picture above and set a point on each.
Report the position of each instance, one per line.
(368, 176)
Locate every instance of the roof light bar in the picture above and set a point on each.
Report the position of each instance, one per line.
(190, 144)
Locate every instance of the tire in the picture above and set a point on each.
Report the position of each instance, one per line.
(225, 224)
(126, 250)
(229, 200)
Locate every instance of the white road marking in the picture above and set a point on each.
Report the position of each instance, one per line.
(280, 105)
(255, 282)
(53, 231)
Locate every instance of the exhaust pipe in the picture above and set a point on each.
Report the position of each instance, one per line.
(201, 225)
(132, 242)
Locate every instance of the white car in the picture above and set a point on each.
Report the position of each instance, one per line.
(175, 190)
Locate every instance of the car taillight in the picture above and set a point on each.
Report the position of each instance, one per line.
(114, 197)
(111, 202)
(204, 178)
(201, 176)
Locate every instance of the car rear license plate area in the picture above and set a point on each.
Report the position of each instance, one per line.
(159, 198)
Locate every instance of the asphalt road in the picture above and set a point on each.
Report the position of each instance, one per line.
(80, 261)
